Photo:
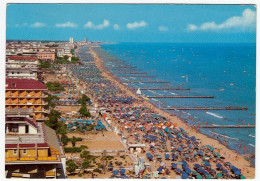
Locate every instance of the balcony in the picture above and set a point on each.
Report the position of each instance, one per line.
(34, 159)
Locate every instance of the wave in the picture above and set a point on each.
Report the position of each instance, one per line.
(173, 93)
(152, 91)
(215, 115)
(224, 135)
(252, 145)
(154, 99)
(251, 136)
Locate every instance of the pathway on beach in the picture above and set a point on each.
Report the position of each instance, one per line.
(231, 155)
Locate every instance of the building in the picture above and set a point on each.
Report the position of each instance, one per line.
(71, 40)
(32, 150)
(22, 73)
(22, 62)
(26, 94)
(46, 56)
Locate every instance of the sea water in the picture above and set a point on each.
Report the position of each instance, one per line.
(225, 71)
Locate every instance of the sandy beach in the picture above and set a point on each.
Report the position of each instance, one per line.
(237, 159)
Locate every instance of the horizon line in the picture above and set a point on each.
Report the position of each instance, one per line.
(133, 41)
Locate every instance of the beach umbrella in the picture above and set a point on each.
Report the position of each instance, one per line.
(184, 163)
(242, 177)
(184, 176)
(197, 165)
(208, 177)
(237, 172)
(219, 165)
(115, 172)
(194, 172)
(207, 164)
(187, 170)
(178, 170)
(198, 177)
(174, 165)
(174, 157)
(163, 177)
(201, 170)
(216, 154)
(219, 175)
(205, 172)
(167, 156)
(201, 153)
(210, 147)
(122, 172)
(179, 149)
(227, 163)
(159, 169)
(110, 166)
(224, 171)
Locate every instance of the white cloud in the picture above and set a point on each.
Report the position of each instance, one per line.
(163, 28)
(136, 25)
(116, 27)
(67, 25)
(246, 20)
(38, 25)
(20, 25)
(91, 25)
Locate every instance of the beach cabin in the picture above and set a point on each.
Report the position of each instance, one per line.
(136, 147)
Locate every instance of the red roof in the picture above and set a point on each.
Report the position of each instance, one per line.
(24, 84)
(22, 58)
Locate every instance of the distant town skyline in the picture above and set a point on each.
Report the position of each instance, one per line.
(132, 23)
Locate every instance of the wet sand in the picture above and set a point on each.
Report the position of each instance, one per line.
(231, 155)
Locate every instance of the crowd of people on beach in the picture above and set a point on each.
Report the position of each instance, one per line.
(169, 149)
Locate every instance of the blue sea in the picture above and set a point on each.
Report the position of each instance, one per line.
(225, 71)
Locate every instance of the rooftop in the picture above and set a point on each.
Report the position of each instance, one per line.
(22, 58)
(24, 84)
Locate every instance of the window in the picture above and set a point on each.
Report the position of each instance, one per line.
(24, 152)
(15, 152)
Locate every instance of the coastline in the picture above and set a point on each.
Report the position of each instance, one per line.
(231, 155)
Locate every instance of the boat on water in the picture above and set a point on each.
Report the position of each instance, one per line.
(138, 92)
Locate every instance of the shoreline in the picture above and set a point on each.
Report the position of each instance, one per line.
(231, 155)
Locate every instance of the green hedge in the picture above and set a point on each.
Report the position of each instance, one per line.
(72, 149)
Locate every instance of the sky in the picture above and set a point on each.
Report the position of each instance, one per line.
(132, 22)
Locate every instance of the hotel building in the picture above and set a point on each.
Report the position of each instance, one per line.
(32, 150)
(26, 94)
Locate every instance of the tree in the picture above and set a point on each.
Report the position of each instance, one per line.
(45, 65)
(53, 119)
(84, 147)
(73, 141)
(62, 128)
(64, 139)
(54, 86)
(74, 60)
(86, 164)
(71, 166)
(84, 111)
(50, 100)
(85, 154)
(84, 99)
